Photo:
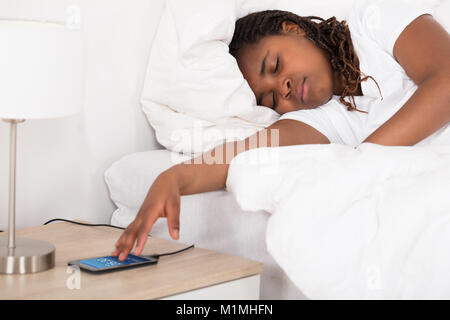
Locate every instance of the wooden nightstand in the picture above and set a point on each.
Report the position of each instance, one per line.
(194, 274)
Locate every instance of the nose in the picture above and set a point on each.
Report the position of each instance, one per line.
(286, 88)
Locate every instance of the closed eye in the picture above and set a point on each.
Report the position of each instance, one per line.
(277, 65)
(274, 101)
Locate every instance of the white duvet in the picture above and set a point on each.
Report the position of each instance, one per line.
(370, 222)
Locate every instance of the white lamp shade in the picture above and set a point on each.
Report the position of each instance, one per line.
(41, 70)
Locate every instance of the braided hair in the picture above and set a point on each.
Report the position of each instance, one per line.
(330, 35)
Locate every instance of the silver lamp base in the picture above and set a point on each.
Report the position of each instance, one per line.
(28, 256)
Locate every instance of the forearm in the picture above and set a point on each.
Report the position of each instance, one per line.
(199, 178)
(208, 172)
(425, 112)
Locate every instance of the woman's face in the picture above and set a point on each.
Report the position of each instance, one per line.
(287, 72)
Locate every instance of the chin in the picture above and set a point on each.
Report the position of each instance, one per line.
(316, 104)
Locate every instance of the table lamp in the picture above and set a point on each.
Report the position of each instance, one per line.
(40, 78)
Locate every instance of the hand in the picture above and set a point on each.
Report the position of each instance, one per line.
(162, 200)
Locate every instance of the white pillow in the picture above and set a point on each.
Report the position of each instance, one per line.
(194, 94)
(129, 178)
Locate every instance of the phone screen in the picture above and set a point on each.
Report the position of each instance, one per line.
(111, 263)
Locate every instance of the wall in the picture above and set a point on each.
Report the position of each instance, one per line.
(60, 162)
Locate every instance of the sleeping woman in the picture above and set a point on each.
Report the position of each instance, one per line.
(382, 78)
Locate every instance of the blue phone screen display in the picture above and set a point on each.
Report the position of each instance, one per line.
(110, 261)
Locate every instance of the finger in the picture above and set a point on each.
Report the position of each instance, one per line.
(118, 245)
(173, 219)
(127, 244)
(144, 231)
(124, 254)
(115, 252)
(122, 239)
(125, 248)
(141, 240)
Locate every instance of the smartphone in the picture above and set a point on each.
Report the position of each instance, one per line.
(110, 263)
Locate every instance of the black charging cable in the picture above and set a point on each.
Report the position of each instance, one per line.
(156, 256)
(84, 224)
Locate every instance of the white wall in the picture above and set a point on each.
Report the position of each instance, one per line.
(61, 162)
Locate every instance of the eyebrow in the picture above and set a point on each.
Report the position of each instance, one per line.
(261, 74)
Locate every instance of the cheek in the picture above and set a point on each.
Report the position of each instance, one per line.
(324, 83)
(325, 91)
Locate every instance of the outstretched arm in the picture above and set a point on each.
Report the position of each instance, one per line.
(207, 172)
(423, 50)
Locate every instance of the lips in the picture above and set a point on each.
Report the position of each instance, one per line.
(301, 92)
(305, 90)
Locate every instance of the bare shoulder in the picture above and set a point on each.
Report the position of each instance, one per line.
(293, 132)
(423, 48)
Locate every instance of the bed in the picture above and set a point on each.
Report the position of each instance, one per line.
(251, 219)
(327, 221)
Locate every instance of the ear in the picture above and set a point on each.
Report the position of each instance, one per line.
(289, 27)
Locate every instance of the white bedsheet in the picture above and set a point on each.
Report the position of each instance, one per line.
(371, 222)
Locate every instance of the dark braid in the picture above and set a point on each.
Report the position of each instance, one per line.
(330, 35)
